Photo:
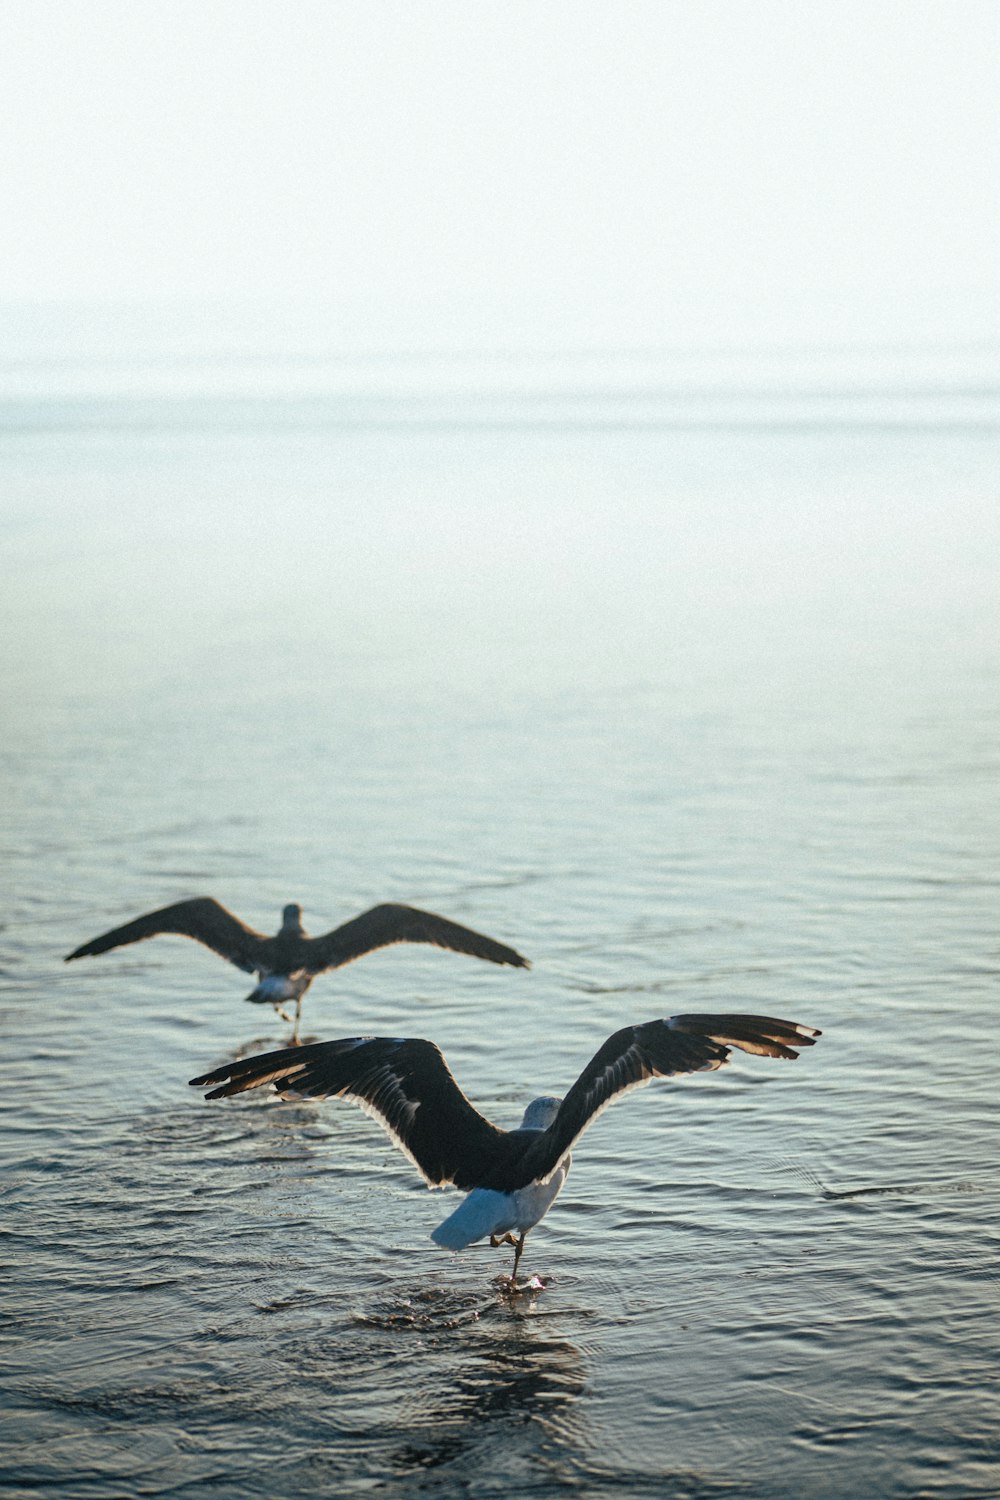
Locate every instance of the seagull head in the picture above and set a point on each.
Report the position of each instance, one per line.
(540, 1113)
(291, 918)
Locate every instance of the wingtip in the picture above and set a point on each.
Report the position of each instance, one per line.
(219, 1092)
(806, 1035)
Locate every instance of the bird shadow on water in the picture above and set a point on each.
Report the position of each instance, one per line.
(491, 1397)
(495, 1391)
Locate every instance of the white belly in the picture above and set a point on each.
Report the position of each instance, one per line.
(532, 1203)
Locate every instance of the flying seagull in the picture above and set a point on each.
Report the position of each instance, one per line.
(511, 1177)
(287, 963)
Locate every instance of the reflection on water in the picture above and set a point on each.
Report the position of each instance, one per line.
(501, 1384)
(700, 721)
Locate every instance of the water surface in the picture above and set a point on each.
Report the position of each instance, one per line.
(697, 708)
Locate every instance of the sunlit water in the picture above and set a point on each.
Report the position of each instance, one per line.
(697, 709)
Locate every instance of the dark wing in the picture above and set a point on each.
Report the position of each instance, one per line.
(404, 1084)
(201, 918)
(657, 1049)
(391, 923)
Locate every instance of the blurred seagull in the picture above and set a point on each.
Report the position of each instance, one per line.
(511, 1177)
(287, 963)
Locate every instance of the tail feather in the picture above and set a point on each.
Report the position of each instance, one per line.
(274, 989)
(482, 1212)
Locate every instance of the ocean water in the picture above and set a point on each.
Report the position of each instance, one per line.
(681, 673)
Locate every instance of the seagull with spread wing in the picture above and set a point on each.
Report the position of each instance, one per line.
(287, 963)
(511, 1177)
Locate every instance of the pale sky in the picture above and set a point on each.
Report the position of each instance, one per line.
(625, 170)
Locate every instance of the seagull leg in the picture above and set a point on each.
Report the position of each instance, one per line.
(508, 1239)
(295, 1028)
(518, 1247)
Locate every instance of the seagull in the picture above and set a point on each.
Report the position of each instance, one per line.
(287, 963)
(511, 1177)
